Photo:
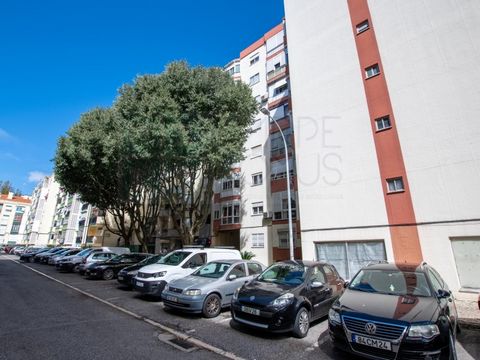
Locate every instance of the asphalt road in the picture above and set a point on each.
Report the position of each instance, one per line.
(78, 322)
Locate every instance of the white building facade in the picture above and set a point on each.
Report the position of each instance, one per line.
(40, 219)
(14, 212)
(250, 207)
(387, 137)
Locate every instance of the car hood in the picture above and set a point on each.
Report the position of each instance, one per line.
(262, 292)
(134, 267)
(403, 308)
(71, 257)
(154, 268)
(196, 282)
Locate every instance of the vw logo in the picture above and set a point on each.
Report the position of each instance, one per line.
(370, 328)
(252, 298)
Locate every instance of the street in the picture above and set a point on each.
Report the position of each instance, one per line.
(44, 319)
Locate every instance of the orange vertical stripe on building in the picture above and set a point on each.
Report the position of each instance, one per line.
(399, 206)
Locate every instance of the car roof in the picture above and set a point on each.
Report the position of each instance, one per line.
(307, 263)
(398, 266)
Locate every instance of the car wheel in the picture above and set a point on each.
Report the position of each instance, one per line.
(108, 274)
(302, 323)
(450, 353)
(76, 268)
(212, 306)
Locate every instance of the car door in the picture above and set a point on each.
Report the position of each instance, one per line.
(334, 282)
(318, 292)
(447, 304)
(229, 287)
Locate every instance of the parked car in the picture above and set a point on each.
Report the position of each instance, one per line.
(210, 288)
(287, 296)
(67, 252)
(18, 250)
(28, 255)
(396, 311)
(43, 257)
(109, 269)
(126, 275)
(72, 263)
(94, 257)
(151, 279)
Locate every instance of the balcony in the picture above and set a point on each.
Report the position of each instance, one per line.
(277, 73)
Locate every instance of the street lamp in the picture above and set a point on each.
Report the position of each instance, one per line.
(287, 168)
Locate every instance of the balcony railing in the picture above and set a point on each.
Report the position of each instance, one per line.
(276, 72)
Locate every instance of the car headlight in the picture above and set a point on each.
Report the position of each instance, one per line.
(159, 274)
(284, 300)
(133, 273)
(193, 292)
(423, 331)
(334, 316)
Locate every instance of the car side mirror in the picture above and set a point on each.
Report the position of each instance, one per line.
(345, 284)
(231, 277)
(317, 285)
(443, 293)
(192, 265)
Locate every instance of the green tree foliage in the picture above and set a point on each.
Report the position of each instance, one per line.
(165, 140)
(7, 187)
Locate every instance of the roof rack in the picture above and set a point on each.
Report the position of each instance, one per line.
(193, 247)
(224, 247)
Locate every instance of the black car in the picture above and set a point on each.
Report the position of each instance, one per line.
(287, 296)
(126, 275)
(43, 257)
(107, 270)
(395, 311)
(28, 255)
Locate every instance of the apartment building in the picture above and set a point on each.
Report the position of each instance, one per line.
(14, 212)
(250, 206)
(70, 221)
(42, 212)
(387, 139)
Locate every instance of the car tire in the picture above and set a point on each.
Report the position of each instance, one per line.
(108, 274)
(76, 268)
(302, 323)
(212, 306)
(450, 352)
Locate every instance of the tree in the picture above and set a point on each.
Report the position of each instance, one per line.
(163, 142)
(197, 121)
(6, 187)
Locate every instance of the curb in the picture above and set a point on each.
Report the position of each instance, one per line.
(472, 324)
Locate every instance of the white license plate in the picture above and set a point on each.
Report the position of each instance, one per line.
(172, 298)
(120, 277)
(250, 310)
(139, 284)
(379, 344)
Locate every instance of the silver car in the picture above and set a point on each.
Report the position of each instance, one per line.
(210, 288)
(92, 258)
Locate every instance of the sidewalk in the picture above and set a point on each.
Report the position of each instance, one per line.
(467, 307)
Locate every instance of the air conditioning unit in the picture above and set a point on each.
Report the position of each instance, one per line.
(264, 97)
(268, 215)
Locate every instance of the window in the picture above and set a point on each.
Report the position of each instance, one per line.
(395, 185)
(230, 183)
(275, 41)
(237, 68)
(216, 214)
(372, 71)
(383, 123)
(231, 214)
(283, 241)
(256, 151)
(254, 60)
(280, 206)
(362, 26)
(254, 269)
(317, 275)
(257, 124)
(279, 90)
(15, 228)
(257, 208)
(258, 241)
(239, 271)
(255, 79)
(436, 283)
(277, 147)
(349, 257)
(257, 179)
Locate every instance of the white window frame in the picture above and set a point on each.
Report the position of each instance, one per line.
(256, 151)
(397, 183)
(234, 217)
(257, 125)
(257, 179)
(383, 123)
(258, 240)
(372, 71)
(254, 59)
(363, 26)
(255, 79)
(257, 208)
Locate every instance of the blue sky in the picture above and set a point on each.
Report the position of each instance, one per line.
(59, 59)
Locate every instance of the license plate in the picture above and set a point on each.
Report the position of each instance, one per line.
(120, 277)
(250, 310)
(379, 344)
(139, 284)
(172, 298)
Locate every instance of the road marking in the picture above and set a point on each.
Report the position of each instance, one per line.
(178, 334)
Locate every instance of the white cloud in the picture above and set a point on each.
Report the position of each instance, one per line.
(35, 176)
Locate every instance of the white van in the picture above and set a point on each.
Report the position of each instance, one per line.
(151, 279)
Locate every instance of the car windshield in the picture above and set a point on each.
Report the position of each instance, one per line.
(174, 258)
(391, 282)
(84, 252)
(286, 274)
(119, 258)
(213, 270)
(150, 260)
